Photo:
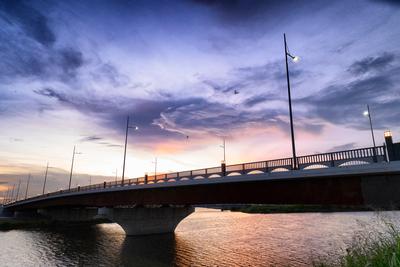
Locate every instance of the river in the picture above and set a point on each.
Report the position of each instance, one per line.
(205, 238)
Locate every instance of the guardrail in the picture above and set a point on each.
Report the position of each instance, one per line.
(323, 160)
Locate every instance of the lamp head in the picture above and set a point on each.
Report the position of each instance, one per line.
(366, 113)
(388, 134)
(295, 59)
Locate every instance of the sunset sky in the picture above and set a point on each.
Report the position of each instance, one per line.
(71, 71)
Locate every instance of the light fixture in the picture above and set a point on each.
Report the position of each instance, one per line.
(366, 113)
(295, 59)
(387, 133)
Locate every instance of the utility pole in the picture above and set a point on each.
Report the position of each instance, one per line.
(27, 186)
(45, 178)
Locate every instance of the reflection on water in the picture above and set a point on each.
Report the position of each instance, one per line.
(206, 238)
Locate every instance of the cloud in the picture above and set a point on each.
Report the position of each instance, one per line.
(390, 2)
(90, 138)
(258, 99)
(16, 140)
(51, 93)
(98, 140)
(33, 23)
(377, 63)
(347, 146)
(29, 48)
(70, 60)
(344, 101)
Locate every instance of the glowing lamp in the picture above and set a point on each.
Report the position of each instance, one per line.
(296, 59)
(387, 134)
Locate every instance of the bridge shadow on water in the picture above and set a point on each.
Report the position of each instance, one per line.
(106, 245)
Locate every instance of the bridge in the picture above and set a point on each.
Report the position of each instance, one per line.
(156, 204)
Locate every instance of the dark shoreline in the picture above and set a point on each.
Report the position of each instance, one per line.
(272, 209)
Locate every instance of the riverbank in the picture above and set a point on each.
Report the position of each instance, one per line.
(374, 248)
(265, 209)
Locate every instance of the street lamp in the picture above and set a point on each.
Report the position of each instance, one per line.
(19, 185)
(126, 143)
(72, 167)
(27, 186)
(116, 175)
(12, 194)
(45, 178)
(223, 146)
(367, 113)
(155, 167)
(294, 59)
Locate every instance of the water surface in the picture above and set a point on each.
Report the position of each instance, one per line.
(205, 238)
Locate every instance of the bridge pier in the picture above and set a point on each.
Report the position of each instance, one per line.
(145, 220)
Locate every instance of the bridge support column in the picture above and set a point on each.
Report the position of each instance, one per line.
(145, 221)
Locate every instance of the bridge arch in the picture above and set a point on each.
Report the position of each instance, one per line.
(353, 163)
(315, 166)
(214, 176)
(233, 174)
(280, 169)
(254, 172)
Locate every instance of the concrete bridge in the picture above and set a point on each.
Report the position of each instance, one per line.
(156, 204)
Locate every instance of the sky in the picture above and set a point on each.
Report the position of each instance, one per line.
(72, 71)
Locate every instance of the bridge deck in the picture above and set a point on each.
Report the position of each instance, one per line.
(343, 176)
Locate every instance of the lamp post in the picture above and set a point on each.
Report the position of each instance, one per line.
(295, 59)
(367, 113)
(12, 194)
(27, 186)
(155, 168)
(45, 178)
(19, 185)
(223, 146)
(116, 175)
(72, 167)
(126, 143)
(6, 195)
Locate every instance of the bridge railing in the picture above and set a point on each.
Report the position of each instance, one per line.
(330, 159)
